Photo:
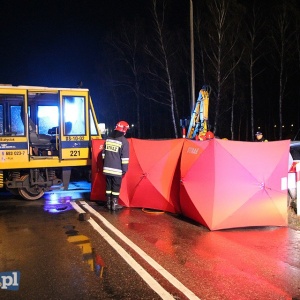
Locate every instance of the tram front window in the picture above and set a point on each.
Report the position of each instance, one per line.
(74, 115)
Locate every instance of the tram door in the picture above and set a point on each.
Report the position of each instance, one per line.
(74, 125)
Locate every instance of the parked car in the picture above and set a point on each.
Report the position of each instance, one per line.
(292, 176)
(295, 150)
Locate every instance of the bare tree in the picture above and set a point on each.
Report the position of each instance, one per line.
(298, 58)
(160, 66)
(129, 47)
(254, 25)
(155, 66)
(233, 100)
(236, 50)
(106, 78)
(222, 40)
(200, 49)
(282, 37)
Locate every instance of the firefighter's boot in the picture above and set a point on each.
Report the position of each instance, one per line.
(115, 205)
(108, 202)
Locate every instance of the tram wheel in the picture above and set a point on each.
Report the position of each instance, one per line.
(30, 192)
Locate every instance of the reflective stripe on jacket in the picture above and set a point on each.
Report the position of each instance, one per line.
(116, 156)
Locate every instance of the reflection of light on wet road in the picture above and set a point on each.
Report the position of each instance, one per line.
(84, 244)
(94, 260)
(151, 281)
(59, 200)
(244, 263)
(55, 203)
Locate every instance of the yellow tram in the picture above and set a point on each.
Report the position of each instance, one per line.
(45, 133)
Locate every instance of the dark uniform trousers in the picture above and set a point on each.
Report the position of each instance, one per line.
(113, 185)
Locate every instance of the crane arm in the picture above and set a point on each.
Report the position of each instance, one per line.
(199, 119)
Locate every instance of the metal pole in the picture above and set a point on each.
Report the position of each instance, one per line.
(192, 56)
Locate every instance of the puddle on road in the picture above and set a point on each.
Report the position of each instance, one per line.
(93, 259)
(55, 203)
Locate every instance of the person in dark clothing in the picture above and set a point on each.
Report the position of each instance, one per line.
(115, 163)
(259, 137)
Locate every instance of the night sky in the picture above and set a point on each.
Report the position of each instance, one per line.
(56, 43)
(59, 43)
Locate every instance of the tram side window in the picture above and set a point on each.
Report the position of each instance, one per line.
(93, 125)
(11, 110)
(17, 125)
(74, 115)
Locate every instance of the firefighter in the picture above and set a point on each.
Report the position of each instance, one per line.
(259, 137)
(115, 163)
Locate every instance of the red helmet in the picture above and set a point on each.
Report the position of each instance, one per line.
(209, 135)
(122, 126)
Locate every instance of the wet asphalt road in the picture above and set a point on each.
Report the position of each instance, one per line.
(55, 253)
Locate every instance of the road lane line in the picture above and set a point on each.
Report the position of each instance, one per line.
(173, 280)
(154, 285)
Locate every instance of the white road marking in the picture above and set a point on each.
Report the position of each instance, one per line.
(174, 281)
(164, 294)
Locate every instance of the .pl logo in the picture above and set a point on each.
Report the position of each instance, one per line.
(10, 280)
